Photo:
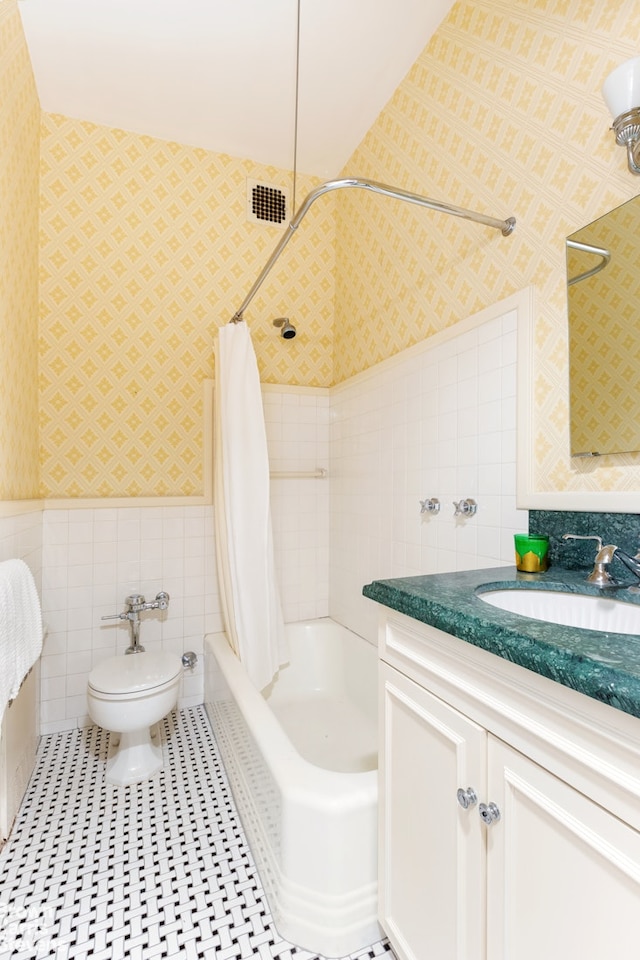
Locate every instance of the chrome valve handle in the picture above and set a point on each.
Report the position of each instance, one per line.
(465, 508)
(161, 602)
(467, 798)
(432, 505)
(489, 813)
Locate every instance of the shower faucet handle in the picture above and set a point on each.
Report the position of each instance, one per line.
(465, 508)
(431, 505)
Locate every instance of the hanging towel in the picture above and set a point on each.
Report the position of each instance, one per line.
(20, 628)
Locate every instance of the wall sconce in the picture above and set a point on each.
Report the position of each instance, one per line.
(621, 92)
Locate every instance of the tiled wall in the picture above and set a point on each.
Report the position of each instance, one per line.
(437, 421)
(297, 423)
(93, 558)
(21, 537)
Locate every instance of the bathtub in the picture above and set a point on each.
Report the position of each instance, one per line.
(301, 760)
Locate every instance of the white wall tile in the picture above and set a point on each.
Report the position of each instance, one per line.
(456, 441)
(96, 559)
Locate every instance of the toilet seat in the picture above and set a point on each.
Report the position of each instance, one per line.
(134, 675)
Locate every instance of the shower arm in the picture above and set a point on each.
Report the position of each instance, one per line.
(506, 227)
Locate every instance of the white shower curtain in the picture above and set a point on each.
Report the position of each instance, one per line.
(244, 545)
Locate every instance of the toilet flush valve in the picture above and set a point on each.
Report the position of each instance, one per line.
(134, 606)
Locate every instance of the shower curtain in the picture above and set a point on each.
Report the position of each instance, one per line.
(244, 545)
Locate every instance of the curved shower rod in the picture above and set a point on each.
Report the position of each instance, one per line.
(506, 227)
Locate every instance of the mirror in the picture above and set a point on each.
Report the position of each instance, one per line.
(603, 292)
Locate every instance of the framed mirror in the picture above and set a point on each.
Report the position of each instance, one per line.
(603, 294)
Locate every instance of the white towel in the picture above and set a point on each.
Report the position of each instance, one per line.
(20, 627)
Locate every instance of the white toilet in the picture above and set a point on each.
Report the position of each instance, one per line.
(128, 695)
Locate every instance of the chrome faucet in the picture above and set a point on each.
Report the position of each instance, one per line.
(600, 575)
(135, 605)
(631, 563)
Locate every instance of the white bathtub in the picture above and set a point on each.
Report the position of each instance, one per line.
(301, 760)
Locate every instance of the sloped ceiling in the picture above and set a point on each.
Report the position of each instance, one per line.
(220, 74)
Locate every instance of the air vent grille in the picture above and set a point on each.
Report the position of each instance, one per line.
(267, 203)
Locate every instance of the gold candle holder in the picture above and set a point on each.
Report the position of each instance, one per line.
(532, 552)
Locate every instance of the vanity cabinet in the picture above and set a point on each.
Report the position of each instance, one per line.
(552, 868)
(432, 901)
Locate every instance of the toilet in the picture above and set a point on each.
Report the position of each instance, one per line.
(128, 695)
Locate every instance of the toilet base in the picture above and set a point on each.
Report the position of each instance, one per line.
(138, 756)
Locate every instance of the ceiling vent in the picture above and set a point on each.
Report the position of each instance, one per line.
(267, 203)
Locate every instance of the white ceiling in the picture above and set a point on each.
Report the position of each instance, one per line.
(220, 74)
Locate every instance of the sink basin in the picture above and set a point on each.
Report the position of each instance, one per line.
(569, 609)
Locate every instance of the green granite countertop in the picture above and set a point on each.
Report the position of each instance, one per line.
(605, 666)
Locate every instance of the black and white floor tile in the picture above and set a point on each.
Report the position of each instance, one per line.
(157, 870)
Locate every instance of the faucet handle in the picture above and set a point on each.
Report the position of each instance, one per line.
(161, 602)
(465, 508)
(162, 599)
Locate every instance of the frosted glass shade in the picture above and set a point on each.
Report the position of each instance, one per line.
(621, 89)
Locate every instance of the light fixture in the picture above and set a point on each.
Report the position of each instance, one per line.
(621, 92)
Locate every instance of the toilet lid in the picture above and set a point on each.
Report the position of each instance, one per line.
(134, 673)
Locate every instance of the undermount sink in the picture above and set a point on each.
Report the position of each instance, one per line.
(569, 609)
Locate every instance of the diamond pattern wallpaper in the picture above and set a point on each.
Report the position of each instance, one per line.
(502, 113)
(145, 249)
(19, 155)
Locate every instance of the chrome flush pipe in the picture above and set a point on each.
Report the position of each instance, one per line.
(506, 227)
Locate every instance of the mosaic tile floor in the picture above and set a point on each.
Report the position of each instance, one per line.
(156, 870)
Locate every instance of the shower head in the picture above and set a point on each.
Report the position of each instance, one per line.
(288, 330)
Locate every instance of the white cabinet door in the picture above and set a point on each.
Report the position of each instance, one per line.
(432, 851)
(563, 873)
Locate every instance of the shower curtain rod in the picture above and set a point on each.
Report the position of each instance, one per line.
(506, 227)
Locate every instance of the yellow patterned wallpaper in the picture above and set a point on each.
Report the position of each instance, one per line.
(502, 113)
(19, 149)
(145, 250)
